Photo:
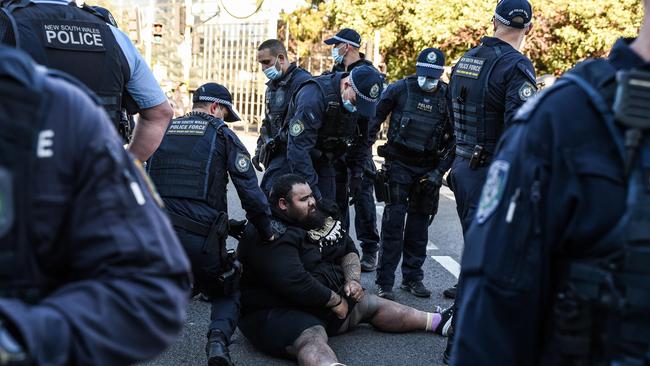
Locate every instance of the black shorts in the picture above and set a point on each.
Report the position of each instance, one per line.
(274, 330)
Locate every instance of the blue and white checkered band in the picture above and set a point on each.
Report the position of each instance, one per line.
(506, 21)
(205, 98)
(360, 95)
(431, 66)
(347, 41)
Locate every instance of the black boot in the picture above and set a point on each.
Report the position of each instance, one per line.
(369, 262)
(447, 354)
(217, 349)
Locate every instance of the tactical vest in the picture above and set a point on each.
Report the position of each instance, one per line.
(602, 310)
(419, 126)
(22, 114)
(277, 103)
(74, 40)
(182, 167)
(474, 123)
(339, 128)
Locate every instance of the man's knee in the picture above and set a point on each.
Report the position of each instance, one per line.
(309, 336)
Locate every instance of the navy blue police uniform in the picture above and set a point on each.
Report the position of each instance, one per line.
(361, 180)
(418, 153)
(79, 41)
(191, 169)
(555, 271)
(320, 130)
(272, 143)
(91, 272)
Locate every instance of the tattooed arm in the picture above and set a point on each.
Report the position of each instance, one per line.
(351, 267)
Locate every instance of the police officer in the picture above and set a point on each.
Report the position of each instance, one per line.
(418, 153)
(322, 125)
(81, 41)
(190, 170)
(284, 79)
(555, 269)
(488, 84)
(346, 57)
(91, 272)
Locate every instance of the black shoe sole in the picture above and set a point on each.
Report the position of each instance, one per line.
(418, 294)
(219, 361)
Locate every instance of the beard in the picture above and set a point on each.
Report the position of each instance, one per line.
(313, 220)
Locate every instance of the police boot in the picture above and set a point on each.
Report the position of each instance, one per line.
(217, 349)
(369, 262)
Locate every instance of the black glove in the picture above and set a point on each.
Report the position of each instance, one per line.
(11, 352)
(256, 163)
(236, 228)
(329, 207)
(432, 182)
(355, 188)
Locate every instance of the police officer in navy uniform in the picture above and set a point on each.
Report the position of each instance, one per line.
(418, 153)
(555, 269)
(91, 272)
(488, 84)
(82, 40)
(191, 170)
(346, 56)
(284, 79)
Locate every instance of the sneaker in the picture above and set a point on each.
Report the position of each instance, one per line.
(444, 327)
(451, 292)
(369, 262)
(417, 288)
(386, 292)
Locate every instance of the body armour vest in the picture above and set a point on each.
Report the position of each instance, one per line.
(183, 165)
(419, 126)
(74, 40)
(339, 128)
(474, 124)
(602, 311)
(22, 111)
(277, 103)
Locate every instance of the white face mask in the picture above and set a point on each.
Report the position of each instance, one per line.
(427, 84)
(337, 56)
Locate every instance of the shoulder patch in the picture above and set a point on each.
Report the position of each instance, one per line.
(493, 189)
(296, 128)
(526, 91)
(242, 162)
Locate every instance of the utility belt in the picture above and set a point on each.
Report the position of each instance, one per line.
(216, 235)
(405, 157)
(271, 148)
(478, 156)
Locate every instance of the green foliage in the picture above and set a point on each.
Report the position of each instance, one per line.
(564, 32)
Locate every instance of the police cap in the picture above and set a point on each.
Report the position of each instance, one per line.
(514, 13)
(216, 93)
(345, 35)
(431, 63)
(367, 84)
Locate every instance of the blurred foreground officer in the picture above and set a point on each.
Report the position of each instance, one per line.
(284, 79)
(361, 182)
(91, 272)
(488, 84)
(84, 43)
(556, 266)
(191, 170)
(418, 153)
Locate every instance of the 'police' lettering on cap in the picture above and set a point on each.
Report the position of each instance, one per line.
(514, 13)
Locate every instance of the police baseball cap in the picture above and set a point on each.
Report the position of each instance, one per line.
(215, 93)
(367, 84)
(345, 35)
(514, 13)
(431, 63)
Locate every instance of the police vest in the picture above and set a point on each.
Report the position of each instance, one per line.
(277, 103)
(22, 110)
(77, 41)
(604, 316)
(474, 124)
(419, 126)
(339, 129)
(183, 165)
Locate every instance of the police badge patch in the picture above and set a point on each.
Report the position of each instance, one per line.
(495, 184)
(374, 91)
(526, 91)
(296, 128)
(6, 202)
(431, 57)
(242, 163)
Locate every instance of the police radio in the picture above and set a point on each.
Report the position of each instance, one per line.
(632, 103)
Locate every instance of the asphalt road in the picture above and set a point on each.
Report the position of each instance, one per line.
(363, 346)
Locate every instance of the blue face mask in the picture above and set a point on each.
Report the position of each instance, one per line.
(348, 105)
(427, 84)
(338, 58)
(272, 72)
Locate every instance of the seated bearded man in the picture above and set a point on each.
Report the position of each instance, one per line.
(304, 286)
